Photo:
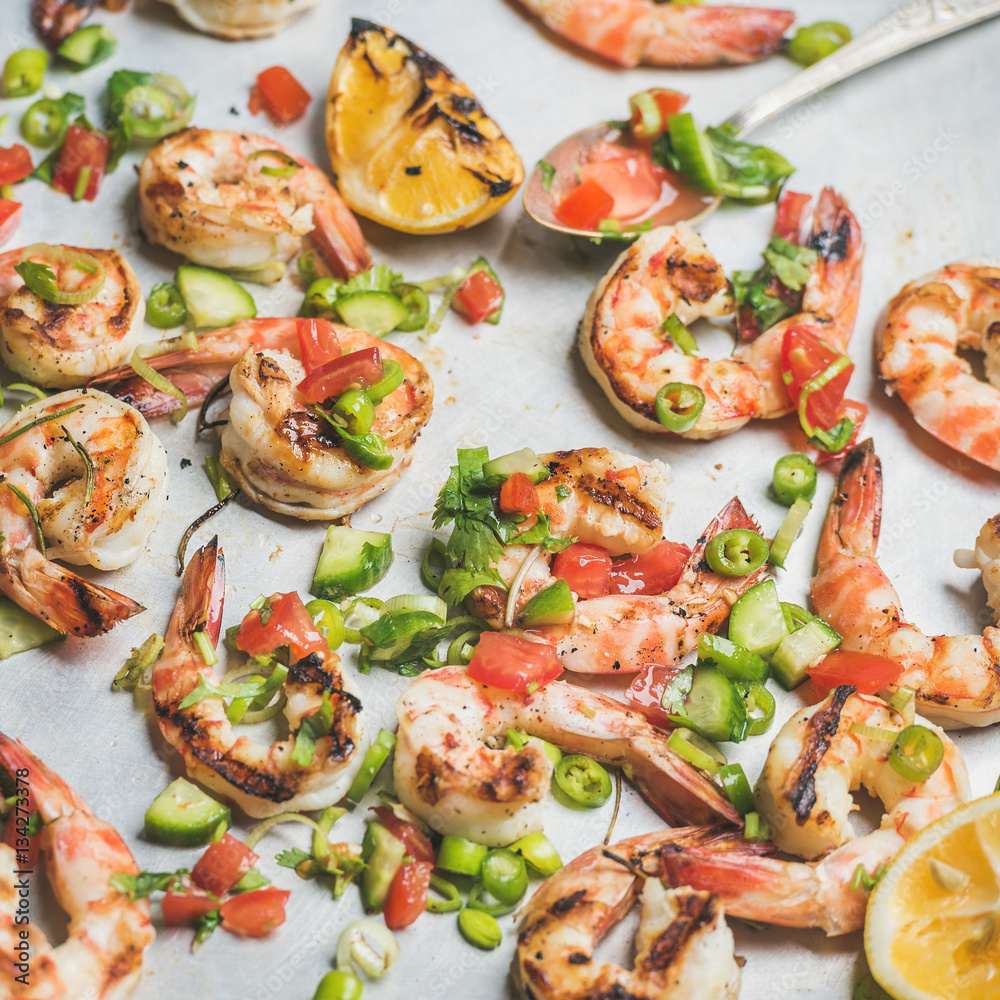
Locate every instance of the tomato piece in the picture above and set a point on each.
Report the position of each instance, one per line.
(255, 914)
(418, 844)
(479, 296)
(586, 568)
(645, 693)
(867, 672)
(512, 663)
(83, 152)
(788, 216)
(318, 343)
(10, 218)
(15, 164)
(180, 908)
(654, 571)
(281, 95)
(288, 624)
(585, 206)
(858, 413)
(803, 357)
(634, 182)
(222, 865)
(518, 495)
(407, 897)
(362, 368)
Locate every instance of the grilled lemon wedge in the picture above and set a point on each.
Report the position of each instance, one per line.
(410, 144)
(932, 930)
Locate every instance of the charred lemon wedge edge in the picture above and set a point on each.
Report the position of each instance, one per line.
(411, 146)
(932, 929)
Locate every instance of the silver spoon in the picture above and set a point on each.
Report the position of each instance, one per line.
(914, 23)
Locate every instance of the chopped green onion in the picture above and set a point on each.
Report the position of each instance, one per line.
(32, 511)
(158, 348)
(329, 619)
(461, 856)
(25, 387)
(18, 431)
(650, 123)
(367, 946)
(794, 477)
(462, 647)
(678, 406)
(681, 336)
(289, 164)
(539, 852)
(696, 750)
(132, 674)
(378, 754)
(161, 382)
(24, 72)
(814, 385)
(916, 754)
(416, 602)
(480, 929)
(862, 880)
(88, 491)
(41, 279)
(694, 153)
(903, 700)
(874, 732)
(205, 648)
(82, 183)
(788, 531)
(450, 900)
(737, 788)
(755, 827)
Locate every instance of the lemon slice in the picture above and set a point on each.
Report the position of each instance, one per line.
(932, 930)
(410, 144)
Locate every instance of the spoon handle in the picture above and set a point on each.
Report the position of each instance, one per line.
(911, 24)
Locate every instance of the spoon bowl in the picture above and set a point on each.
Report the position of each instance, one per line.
(905, 28)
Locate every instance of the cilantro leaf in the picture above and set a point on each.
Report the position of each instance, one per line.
(457, 584)
(205, 927)
(313, 727)
(145, 883)
(293, 857)
(540, 534)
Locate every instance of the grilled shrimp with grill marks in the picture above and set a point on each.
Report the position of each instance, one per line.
(804, 792)
(242, 18)
(262, 781)
(684, 949)
(82, 439)
(227, 200)
(63, 346)
(986, 558)
(101, 957)
(670, 272)
(447, 774)
(956, 677)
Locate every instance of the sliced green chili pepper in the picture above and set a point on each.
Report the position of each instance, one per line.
(165, 307)
(916, 754)
(737, 552)
(583, 781)
(504, 875)
(795, 615)
(378, 754)
(415, 299)
(392, 378)
(813, 42)
(737, 788)
(794, 477)
(678, 406)
(24, 72)
(44, 123)
(357, 411)
(788, 532)
(464, 857)
(758, 699)
(449, 900)
(329, 619)
(480, 929)
(321, 297)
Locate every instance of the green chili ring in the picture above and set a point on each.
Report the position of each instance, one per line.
(794, 476)
(504, 875)
(737, 552)
(165, 307)
(678, 406)
(583, 781)
(44, 123)
(916, 754)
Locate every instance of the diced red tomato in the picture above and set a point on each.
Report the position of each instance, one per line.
(418, 844)
(362, 368)
(10, 218)
(186, 906)
(634, 182)
(255, 914)
(518, 495)
(223, 865)
(288, 624)
(407, 897)
(804, 356)
(586, 568)
(280, 95)
(585, 206)
(318, 343)
(670, 102)
(512, 663)
(858, 413)
(15, 164)
(788, 216)
(645, 693)
(82, 151)
(867, 672)
(479, 296)
(654, 571)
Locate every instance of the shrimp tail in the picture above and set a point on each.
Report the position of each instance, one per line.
(153, 402)
(202, 595)
(49, 794)
(854, 519)
(338, 239)
(62, 598)
(56, 19)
